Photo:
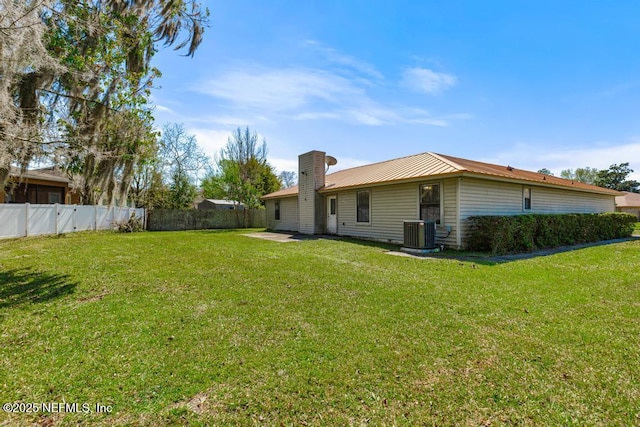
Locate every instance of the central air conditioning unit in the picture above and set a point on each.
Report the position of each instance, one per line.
(419, 234)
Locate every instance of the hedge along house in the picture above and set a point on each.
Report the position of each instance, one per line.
(373, 201)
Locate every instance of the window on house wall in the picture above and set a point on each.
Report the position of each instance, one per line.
(430, 202)
(332, 206)
(277, 210)
(54, 197)
(363, 206)
(526, 199)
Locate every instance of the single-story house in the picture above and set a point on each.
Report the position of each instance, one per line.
(219, 204)
(373, 201)
(39, 186)
(629, 203)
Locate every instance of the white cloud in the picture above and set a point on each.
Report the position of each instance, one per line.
(210, 140)
(530, 157)
(355, 64)
(371, 117)
(426, 80)
(372, 114)
(279, 89)
(318, 115)
(226, 120)
(164, 109)
(331, 94)
(285, 91)
(281, 164)
(459, 116)
(291, 164)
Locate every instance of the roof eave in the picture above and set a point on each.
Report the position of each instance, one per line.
(278, 196)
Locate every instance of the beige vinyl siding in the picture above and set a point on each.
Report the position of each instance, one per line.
(549, 200)
(391, 205)
(288, 214)
(629, 210)
(485, 197)
(450, 211)
(482, 197)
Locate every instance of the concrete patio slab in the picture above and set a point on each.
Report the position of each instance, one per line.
(287, 237)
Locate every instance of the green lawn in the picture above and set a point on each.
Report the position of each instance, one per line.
(215, 328)
(636, 229)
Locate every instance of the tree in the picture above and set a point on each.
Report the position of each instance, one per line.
(181, 192)
(615, 178)
(242, 173)
(586, 175)
(75, 83)
(545, 171)
(22, 49)
(148, 189)
(288, 179)
(181, 162)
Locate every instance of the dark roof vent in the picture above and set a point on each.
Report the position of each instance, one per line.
(509, 168)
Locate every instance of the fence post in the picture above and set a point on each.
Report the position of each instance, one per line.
(26, 217)
(57, 215)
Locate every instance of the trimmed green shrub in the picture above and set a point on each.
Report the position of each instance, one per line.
(524, 233)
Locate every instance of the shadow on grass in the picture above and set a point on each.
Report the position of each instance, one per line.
(490, 259)
(214, 230)
(371, 243)
(23, 286)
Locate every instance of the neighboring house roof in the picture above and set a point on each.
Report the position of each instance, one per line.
(221, 202)
(431, 165)
(45, 174)
(628, 200)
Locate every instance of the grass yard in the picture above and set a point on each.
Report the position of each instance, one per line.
(636, 229)
(215, 328)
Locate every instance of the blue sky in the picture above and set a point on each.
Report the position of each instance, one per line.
(532, 84)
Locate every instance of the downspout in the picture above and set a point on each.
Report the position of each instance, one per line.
(458, 230)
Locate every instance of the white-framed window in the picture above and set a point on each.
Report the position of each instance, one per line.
(363, 206)
(430, 202)
(277, 208)
(526, 198)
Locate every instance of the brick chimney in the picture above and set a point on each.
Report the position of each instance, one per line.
(311, 175)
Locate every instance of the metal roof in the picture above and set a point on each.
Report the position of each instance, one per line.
(287, 192)
(222, 201)
(433, 165)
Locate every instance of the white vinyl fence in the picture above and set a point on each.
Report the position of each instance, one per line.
(20, 220)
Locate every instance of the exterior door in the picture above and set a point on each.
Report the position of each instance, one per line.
(332, 215)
